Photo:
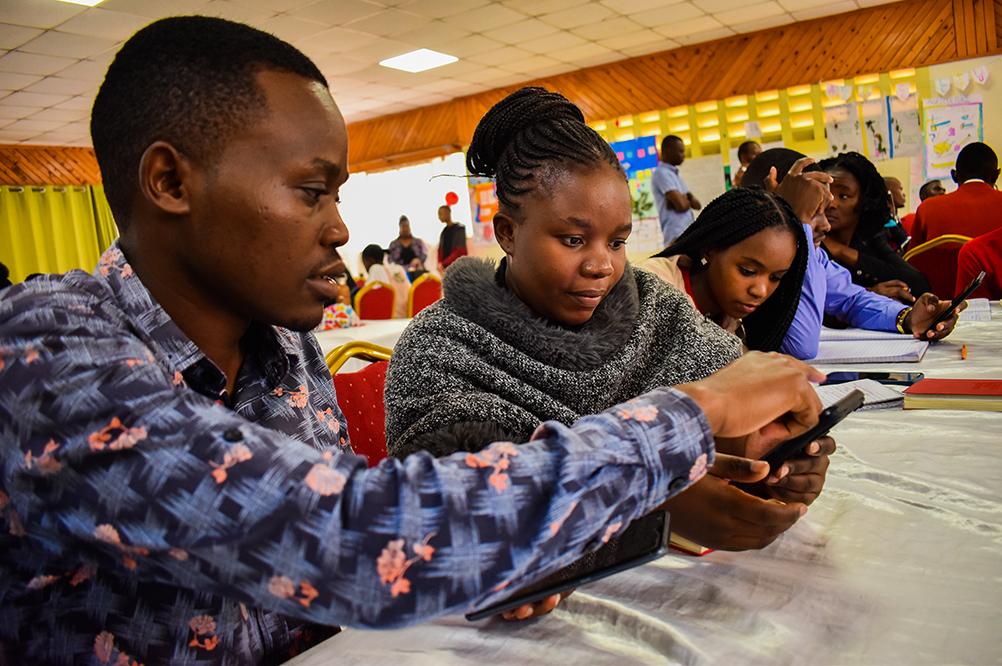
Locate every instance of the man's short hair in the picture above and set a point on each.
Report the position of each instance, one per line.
(186, 80)
(745, 147)
(667, 140)
(926, 190)
(373, 253)
(977, 160)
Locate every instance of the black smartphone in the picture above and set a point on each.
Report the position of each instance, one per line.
(960, 298)
(890, 378)
(827, 420)
(643, 541)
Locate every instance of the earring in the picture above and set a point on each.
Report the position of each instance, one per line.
(703, 262)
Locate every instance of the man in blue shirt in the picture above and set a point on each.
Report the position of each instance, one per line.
(176, 483)
(671, 195)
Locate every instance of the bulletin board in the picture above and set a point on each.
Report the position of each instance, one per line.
(949, 126)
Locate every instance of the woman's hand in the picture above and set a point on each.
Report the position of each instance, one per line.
(895, 289)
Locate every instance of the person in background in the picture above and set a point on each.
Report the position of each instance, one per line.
(931, 188)
(895, 194)
(857, 216)
(983, 253)
(377, 270)
(672, 197)
(747, 151)
(452, 241)
(176, 483)
(341, 275)
(828, 288)
(897, 236)
(564, 325)
(975, 208)
(742, 264)
(4, 276)
(408, 251)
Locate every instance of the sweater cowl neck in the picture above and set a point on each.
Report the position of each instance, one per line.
(475, 289)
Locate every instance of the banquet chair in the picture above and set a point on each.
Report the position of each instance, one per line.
(424, 291)
(360, 396)
(937, 260)
(375, 301)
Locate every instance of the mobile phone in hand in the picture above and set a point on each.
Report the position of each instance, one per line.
(960, 298)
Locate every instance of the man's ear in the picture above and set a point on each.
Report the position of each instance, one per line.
(995, 178)
(504, 231)
(953, 175)
(165, 178)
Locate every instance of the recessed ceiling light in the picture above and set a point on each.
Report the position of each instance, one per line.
(85, 3)
(418, 61)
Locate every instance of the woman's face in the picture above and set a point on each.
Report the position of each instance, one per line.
(567, 248)
(842, 212)
(742, 276)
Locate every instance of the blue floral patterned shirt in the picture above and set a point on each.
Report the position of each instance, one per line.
(146, 516)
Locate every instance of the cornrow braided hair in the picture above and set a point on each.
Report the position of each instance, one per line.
(728, 220)
(872, 210)
(525, 135)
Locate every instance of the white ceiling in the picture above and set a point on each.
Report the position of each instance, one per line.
(53, 55)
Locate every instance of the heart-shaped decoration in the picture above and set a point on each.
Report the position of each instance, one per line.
(962, 81)
(980, 75)
(941, 86)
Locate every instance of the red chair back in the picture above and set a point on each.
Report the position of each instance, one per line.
(426, 290)
(937, 260)
(375, 301)
(360, 396)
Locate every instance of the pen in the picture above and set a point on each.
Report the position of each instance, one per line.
(963, 352)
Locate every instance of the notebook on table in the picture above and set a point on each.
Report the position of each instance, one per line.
(978, 309)
(969, 394)
(853, 334)
(901, 349)
(875, 394)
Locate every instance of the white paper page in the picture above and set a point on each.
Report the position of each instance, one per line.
(874, 393)
(978, 309)
(849, 334)
(909, 350)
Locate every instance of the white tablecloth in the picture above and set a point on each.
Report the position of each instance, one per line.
(383, 332)
(898, 562)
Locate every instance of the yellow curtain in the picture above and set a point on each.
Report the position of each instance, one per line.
(52, 228)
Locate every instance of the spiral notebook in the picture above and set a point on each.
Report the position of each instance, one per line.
(875, 394)
(901, 349)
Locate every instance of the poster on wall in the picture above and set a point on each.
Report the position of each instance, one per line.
(483, 207)
(876, 128)
(705, 177)
(639, 158)
(844, 129)
(906, 127)
(948, 128)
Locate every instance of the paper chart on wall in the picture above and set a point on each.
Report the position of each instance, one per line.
(705, 177)
(876, 128)
(948, 128)
(906, 127)
(843, 128)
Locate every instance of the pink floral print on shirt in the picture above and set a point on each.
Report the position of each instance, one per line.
(297, 398)
(392, 563)
(496, 456)
(698, 470)
(237, 454)
(116, 436)
(283, 587)
(637, 410)
(204, 629)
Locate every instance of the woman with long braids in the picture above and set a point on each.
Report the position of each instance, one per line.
(742, 262)
(857, 216)
(564, 326)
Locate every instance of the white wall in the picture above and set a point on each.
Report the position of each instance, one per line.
(372, 204)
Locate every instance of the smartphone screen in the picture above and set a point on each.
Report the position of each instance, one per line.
(890, 378)
(645, 540)
(827, 420)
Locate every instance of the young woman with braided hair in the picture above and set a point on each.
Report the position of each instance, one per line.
(742, 262)
(564, 326)
(857, 238)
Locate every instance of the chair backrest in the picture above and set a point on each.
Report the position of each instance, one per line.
(360, 396)
(424, 291)
(937, 260)
(375, 301)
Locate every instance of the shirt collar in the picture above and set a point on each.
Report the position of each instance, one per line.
(973, 180)
(275, 350)
(671, 166)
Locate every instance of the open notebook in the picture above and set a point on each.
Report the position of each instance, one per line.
(875, 394)
(900, 349)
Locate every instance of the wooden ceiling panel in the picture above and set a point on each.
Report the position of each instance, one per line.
(914, 33)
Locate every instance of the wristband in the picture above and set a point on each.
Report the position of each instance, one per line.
(900, 322)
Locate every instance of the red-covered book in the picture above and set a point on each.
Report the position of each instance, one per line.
(972, 394)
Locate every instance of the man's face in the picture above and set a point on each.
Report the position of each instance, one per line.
(444, 214)
(264, 222)
(897, 192)
(674, 153)
(935, 189)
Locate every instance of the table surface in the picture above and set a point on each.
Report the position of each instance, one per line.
(383, 332)
(898, 562)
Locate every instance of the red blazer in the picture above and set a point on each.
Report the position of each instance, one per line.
(983, 253)
(974, 209)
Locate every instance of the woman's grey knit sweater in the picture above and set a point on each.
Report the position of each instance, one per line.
(479, 366)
